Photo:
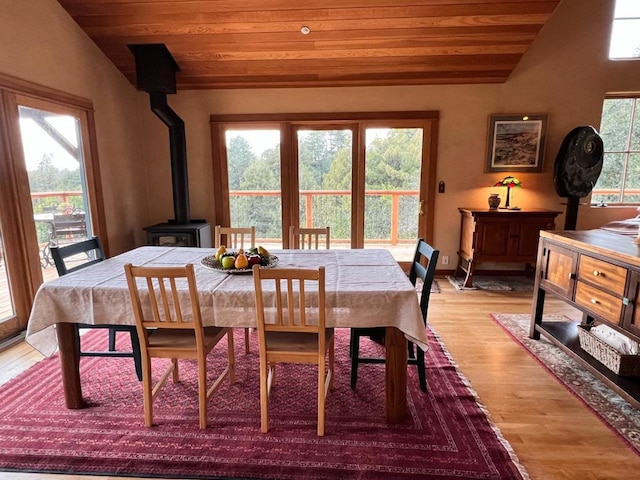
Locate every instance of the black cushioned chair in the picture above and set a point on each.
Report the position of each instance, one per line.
(79, 255)
(423, 268)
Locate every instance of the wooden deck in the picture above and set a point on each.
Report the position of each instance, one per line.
(6, 308)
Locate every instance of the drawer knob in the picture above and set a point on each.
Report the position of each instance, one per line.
(597, 273)
(595, 301)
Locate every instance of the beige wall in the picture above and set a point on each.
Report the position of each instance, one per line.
(564, 74)
(40, 43)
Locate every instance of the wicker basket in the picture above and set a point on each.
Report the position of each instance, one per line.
(626, 365)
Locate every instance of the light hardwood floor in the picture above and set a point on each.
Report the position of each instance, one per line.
(554, 435)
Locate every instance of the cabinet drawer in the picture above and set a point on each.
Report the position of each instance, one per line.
(602, 274)
(602, 304)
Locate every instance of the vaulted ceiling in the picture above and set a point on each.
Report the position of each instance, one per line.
(260, 43)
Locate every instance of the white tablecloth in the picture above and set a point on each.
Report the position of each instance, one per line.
(364, 288)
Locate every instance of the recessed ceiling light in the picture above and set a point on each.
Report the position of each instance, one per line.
(305, 30)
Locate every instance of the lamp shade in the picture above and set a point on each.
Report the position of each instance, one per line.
(508, 182)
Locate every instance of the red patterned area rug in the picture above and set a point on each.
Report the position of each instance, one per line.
(614, 410)
(448, 435)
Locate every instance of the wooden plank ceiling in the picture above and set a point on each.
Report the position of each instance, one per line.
(258, 43)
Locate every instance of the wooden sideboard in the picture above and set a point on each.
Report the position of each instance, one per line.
(598, 272)
(501, 236)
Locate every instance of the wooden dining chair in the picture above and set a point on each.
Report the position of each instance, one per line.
(309, 238)
(162, 304)
(292, 329)
(423, 269)
(235, 238)
(75, 256)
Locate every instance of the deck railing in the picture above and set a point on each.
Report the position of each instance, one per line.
(616, 192)
(307, 204)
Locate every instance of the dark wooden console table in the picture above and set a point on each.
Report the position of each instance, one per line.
(598, 272)
(501, 236)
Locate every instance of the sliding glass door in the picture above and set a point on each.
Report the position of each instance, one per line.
(52, 148)
(369, 176)
(325, 174)
(393, 165)
(253, 179)
(50, 189)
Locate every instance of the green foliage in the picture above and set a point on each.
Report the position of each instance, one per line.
(49, 178)
(325, 163)
(393, 163)
(620, 132)
(239, 156)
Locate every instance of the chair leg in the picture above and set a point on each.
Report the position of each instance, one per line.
(355, 352)
(247, 331)
(422, 374)
(321, 393)
(176, 372)
(231, 357)
(112, 340)
(264, 397)
(410, 350)
(137, 355)
(351, 344)
(77, 333)
(332, 357)
(202, 392)
(147, 388)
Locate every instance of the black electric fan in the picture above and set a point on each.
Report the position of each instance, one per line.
(577, 168)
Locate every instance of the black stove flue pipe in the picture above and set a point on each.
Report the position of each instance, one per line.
(178, 148)
(156, 74)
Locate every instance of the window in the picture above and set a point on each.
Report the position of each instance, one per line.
(625, 34)
(619, 181)
(253, 167)
(368, 176)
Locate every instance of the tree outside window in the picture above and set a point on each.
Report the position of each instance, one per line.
(619, 181)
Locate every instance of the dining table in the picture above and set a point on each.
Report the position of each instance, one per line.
(364, 288)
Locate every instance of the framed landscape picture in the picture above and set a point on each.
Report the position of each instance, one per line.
(516, 143)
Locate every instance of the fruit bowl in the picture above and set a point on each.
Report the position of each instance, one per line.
(211, 262)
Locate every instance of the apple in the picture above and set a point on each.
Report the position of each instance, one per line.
(254, 260)
(227, 262)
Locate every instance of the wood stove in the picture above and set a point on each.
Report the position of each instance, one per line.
(156, 74)
(197, 233)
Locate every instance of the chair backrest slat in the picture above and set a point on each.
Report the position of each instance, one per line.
(290, 306)
(309, 238)
(423, 267)
(235, 236)
(171, 305)
(87, 252)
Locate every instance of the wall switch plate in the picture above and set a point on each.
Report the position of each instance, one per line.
(445, 260)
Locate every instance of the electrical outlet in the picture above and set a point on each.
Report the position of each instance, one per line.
(445, 260)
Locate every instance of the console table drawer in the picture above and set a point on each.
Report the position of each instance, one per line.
(602, 274)
(602, 304)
